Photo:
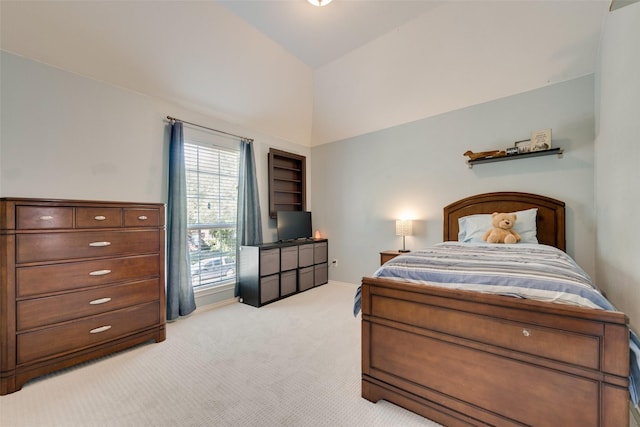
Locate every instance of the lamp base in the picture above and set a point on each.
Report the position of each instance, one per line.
(403, 251)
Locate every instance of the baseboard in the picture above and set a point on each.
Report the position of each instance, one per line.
(216, 304)
(214, 295)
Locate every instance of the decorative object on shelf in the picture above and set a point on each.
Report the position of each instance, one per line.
(317, 234)
(540, 140)
(548, 152)
(484, 154)
(404, 227)
(523, 146)
(538, 145)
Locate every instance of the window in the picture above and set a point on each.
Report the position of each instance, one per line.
(212, 194)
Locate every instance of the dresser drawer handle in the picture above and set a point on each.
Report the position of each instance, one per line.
(99, 244)
(143, 218)
(99, 272)
(526, 333)
(46, 217)
(100, 301)
(100, 329)
(99, 217)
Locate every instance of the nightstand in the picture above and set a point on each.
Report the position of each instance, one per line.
(389, 255)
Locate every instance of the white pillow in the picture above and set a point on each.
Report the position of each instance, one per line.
(471, 228)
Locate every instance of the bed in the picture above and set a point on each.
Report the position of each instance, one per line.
(463, 358)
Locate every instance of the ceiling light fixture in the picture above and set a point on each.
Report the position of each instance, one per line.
(319, 3)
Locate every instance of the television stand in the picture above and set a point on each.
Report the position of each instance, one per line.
(272, 271)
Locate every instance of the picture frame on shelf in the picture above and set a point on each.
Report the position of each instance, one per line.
(523, 146)
(540, 140)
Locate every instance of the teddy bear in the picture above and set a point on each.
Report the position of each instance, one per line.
(502, 231)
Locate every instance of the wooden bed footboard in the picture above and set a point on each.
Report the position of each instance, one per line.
(464, 358)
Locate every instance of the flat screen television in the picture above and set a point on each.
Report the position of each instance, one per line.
(293, 225)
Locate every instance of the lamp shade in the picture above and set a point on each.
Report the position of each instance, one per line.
(404, 227)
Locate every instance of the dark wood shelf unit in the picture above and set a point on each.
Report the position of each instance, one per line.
(272, 271)
(558, 151)
(287, 182)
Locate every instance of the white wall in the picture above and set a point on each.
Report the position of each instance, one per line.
(65, 136)
(362, 184)
(617, 153)
(453, 57)
(192, 53)
(71, 137)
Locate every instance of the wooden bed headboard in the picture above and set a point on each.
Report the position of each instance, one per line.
(550, 220)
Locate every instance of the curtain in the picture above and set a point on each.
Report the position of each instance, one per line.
(180, 297)
(249, 222)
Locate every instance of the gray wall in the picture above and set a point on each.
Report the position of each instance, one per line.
(361, 185)
(617, 152)
(66, 136)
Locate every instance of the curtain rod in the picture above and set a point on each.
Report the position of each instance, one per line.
(214, 130)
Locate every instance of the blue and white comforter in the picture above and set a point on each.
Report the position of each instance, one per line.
(531, 271)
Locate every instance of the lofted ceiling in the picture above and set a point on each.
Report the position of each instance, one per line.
(319, 35)
(329, 73)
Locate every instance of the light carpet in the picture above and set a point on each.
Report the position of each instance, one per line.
(295, 362)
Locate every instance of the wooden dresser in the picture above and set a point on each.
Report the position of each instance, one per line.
(79, 280)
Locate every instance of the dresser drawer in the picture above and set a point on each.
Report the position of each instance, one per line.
(41, 217)
(320, 274)
(288, 282)
(289, 258)
(319, 252)
(87, 332)
(98, 217)
(269, 288)
(305, 279)
(76, 245)
(269, 261)
(563, 346)
(137, 217)
(305, 255)
(36, 312)
(31, 281)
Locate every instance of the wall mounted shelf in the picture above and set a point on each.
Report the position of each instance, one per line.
(556, 151)
(287, 182)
